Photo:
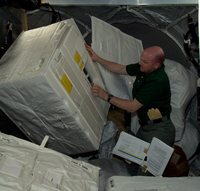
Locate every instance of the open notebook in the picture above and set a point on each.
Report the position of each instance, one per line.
(153, 156)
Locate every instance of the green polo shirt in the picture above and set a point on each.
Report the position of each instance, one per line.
(150, 89)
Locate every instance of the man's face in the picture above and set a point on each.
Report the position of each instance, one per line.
(147, 62)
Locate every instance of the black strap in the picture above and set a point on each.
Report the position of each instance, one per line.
(150, 122)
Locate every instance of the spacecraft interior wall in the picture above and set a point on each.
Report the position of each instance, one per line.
(45, 85)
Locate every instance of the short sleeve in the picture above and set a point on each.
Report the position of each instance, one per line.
(133, 69)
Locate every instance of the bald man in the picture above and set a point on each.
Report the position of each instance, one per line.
(151, 93)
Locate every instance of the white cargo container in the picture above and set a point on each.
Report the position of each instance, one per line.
(45, 85)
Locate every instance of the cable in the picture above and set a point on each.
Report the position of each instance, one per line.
(55, 14)
(191, 43)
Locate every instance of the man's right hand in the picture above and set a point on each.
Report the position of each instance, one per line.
(99, 92)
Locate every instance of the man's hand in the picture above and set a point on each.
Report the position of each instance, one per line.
(91, 52)
(98, 91)
(128, 105)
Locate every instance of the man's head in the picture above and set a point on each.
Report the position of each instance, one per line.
(151, 59)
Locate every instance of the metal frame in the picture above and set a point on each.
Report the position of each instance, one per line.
(122, 2)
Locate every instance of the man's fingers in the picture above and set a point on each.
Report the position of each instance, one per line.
(95, 89)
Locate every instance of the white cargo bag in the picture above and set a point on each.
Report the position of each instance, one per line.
(27, 166)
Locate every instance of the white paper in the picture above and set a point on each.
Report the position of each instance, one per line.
(131, 148)
(135, 150)
(158, 156)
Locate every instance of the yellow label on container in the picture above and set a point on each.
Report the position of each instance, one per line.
(77, 57)
(82, 65)
(65, 81)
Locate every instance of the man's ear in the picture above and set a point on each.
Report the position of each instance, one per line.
(157, 65)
